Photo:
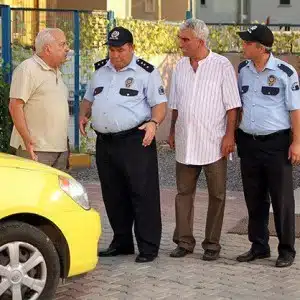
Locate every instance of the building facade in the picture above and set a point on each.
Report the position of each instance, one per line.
(246, 11)
(171, 10)
(211, 11)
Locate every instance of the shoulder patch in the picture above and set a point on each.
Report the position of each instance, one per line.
(145, 65)
(242, 65)
(286, 69)
(295, 86)
(100, 64)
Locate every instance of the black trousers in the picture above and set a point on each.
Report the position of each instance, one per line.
(267, 175)
(128, 173)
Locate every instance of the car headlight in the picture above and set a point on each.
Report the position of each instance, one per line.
(75, 190)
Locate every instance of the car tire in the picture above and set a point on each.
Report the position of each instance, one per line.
(31, 243)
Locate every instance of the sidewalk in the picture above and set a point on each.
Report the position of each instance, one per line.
(188, 277)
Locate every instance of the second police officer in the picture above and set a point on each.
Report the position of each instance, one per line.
(126, 102)
(268, 141)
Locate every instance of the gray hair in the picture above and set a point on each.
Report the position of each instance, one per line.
(43, 38)
(198, 26)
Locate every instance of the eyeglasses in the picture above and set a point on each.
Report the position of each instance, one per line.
(63, 44)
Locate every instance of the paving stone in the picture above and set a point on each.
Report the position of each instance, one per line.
(189, 277)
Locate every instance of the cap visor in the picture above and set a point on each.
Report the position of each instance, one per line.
(115, 43)
(245, 36)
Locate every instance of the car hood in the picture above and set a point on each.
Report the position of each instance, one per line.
(12, 161)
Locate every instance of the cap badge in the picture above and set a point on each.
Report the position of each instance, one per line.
(115, 35)
(252, 28)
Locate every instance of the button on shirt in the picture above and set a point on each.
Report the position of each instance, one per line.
(202, 99)
(123, 100)
(268, 96)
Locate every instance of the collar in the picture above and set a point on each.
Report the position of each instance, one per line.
(271, 64)
(188, 60)
(206, 58)
(132, 65)
(43, 64)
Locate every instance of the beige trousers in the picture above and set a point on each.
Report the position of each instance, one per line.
(58, 160)
(187, 177)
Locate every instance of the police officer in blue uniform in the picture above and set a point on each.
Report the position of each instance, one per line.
(126, 101)
(266, 145)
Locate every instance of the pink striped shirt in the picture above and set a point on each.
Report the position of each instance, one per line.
(202, 99)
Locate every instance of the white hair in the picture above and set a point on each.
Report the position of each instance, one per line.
(44, 38)
(198, 26)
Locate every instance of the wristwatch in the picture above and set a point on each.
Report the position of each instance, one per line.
(155, 122)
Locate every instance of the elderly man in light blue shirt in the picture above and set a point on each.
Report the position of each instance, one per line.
(267, 146)
(126, 101)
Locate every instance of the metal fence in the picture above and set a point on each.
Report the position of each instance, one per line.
(20, 27)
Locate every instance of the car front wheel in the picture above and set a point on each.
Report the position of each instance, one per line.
(29, 263)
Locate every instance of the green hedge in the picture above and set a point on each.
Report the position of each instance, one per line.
(159, 37)
(152, 38)
(5, 119)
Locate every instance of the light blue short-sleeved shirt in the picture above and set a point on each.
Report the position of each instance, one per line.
(268, 96)
(123, 100)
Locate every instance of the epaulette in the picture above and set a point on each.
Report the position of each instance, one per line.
(242, 65)
(145, 65)
(100, 63)
(286, 69)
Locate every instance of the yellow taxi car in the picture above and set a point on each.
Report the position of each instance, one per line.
(48, 230)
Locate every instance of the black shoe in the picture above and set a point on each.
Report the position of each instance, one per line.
(180, 252)
(112, 251)
(251, 255)
(284, 261)
(211, 255)
(143, 258)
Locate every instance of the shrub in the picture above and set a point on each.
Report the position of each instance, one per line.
(5, 119)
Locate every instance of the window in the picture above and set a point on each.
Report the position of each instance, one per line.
(203, 2)
(284, 2)
(150, 6)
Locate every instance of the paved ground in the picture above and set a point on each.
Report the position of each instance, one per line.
(166, 165)
(189, 277)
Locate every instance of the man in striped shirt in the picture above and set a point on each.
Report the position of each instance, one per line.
(204, 99)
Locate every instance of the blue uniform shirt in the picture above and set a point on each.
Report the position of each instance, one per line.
(123, 100)
(268, 96)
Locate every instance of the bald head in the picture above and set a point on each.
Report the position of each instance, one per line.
(46, 37)
(51, 45)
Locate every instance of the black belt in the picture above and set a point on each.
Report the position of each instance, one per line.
(265, 137)
(119, 134)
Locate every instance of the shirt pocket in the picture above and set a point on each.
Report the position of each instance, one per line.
(128, 92)
(270, 91)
